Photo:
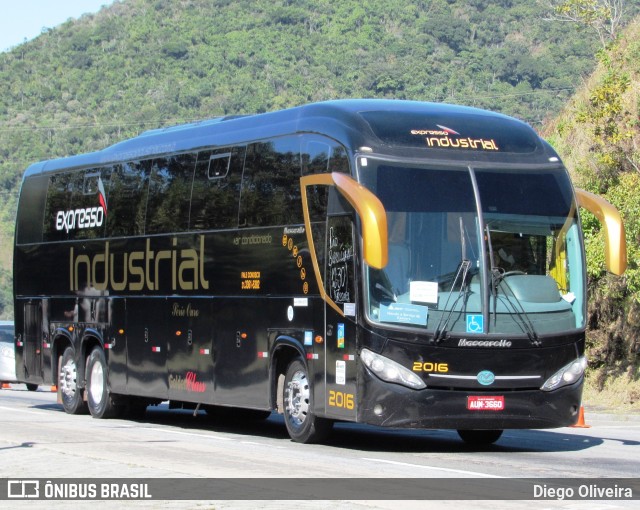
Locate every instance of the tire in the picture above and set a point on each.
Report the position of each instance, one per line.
(302, 425)
(32, 386)
(480, 437)
(68, 384)
(99, 399)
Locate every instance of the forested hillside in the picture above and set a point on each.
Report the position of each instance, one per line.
(141, 64)
(598, 136)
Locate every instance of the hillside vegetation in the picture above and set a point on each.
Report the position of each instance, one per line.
(598, 136)
(142, 64)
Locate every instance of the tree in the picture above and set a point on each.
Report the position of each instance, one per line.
(603, 16)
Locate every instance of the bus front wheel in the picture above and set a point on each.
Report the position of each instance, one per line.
(99, 399)
(302, 424)
(70, 392)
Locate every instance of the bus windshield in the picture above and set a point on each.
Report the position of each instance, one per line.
(476, 250)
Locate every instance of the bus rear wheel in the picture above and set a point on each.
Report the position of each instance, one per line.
(99, 399)
(70, 392)
(480, 437)
(302, 424)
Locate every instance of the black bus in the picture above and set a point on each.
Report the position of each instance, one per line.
(394, 263)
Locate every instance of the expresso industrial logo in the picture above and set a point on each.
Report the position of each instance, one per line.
(139, 270)
(84, 217)
(447, 138)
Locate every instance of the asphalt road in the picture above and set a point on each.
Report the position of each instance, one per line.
(39, 441)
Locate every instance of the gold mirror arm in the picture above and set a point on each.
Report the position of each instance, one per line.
(372, 216)
(614, 237)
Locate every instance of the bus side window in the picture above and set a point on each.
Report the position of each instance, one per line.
(315, 160)
(58, 202)
(31, 210)
(170, 194)
(319, 157)
(315, 157)
(216, 188)
(128, 198)
(86, 194)
(271, 184)
(339, 161)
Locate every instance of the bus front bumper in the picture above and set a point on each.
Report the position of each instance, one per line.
(391, 405)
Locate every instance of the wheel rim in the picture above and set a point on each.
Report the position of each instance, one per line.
(298, 395)
(69, 379)
(96, 387)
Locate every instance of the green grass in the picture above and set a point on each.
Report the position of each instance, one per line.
(619, 395)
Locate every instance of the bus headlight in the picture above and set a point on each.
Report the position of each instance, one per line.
(390, 371)
(566, 375)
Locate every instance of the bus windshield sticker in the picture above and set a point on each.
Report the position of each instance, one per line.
(423, 292)
(475, 324)
(404, 313)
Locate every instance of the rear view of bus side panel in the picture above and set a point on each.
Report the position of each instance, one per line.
(27, 308)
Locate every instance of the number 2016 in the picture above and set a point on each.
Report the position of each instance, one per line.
(340, 399)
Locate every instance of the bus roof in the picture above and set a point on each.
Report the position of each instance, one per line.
(387, 126)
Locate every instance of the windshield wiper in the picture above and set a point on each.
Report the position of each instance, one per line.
(519, 311)
(463, 270)
(497, 280)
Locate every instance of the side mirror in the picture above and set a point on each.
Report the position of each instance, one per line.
(615, 246)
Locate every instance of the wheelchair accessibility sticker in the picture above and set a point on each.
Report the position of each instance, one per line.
(475, 324)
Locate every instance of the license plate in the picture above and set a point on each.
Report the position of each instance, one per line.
(485, 403)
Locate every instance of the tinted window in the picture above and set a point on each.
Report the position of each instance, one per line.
(31, 206)
(421, 190)
(89, 200)
(321, 156)
(216, 188)
(271, 184)
(170, 193)
(58, 202)
(537, 193)
(315, 157)
(76, 205)
(128, 198)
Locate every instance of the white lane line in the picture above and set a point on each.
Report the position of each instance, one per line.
(217, 438)
(20, 410)
(433, 468)
(214, 438)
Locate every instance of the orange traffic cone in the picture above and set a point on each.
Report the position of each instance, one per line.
(54, 388)
(581, 424)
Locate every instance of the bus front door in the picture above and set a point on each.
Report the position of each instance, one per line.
(340, 286)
